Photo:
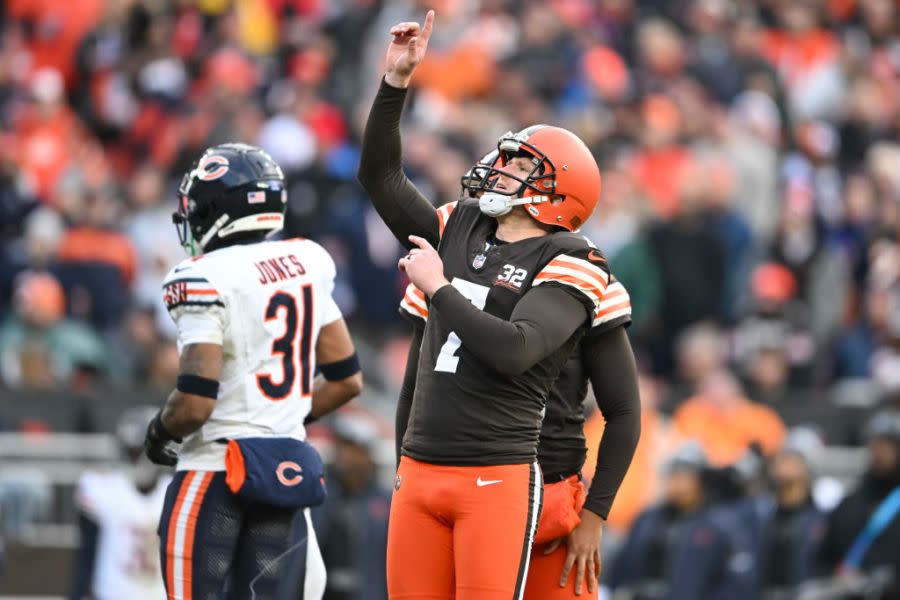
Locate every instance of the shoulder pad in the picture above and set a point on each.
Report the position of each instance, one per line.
(443, 213)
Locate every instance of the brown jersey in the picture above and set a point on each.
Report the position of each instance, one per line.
(465, 413)
(561, 447)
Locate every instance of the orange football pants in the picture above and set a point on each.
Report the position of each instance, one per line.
(461, 532)
(563, 502)
(544, 573)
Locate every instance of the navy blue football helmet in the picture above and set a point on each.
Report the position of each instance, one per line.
(234, 191)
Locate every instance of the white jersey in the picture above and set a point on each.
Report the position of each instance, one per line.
(265, 304)
(127, 558)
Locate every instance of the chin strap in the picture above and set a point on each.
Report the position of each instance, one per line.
(496, 205)
(190, 247)
(220, 222)
(222, 228)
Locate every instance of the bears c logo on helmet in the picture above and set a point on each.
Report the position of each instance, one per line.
(212, 167)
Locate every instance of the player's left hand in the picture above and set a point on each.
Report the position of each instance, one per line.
(584, 553)
(424, 266)
(157, 445)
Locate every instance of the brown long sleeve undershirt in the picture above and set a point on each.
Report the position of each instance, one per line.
(541, 322)
(609, 363)
(399, 204)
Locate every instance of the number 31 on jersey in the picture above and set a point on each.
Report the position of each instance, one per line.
(297, 319)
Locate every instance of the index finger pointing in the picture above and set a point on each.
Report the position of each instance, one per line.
(420, 242)
(426, 28)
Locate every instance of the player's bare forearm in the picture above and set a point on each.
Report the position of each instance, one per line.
(341, 378)
(186, 412)
(329, 396)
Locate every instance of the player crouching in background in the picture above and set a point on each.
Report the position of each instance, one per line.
(118, 515)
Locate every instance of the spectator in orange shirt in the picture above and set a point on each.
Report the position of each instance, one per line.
(807, 59)
(661, 165)
(42, 231)
(47, 134)
(41, 348)
(94, 238)
(55, 30)
(726, 423)
(97, 262)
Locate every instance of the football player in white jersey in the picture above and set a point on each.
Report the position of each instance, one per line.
(255, 321)
(119, 509)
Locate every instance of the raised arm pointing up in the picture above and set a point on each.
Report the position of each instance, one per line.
(402, 207)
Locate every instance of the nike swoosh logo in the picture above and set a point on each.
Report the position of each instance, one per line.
(595, 256)
(483, 482)
(180, 269)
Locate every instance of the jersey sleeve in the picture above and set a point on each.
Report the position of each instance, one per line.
(331, 312)
(443, 214)
(196, 306)
(413, 305)
(583, 272)
(614, 308)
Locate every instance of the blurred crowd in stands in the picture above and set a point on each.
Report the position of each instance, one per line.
(751, 206)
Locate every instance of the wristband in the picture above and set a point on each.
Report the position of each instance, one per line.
(341, 369)
(198, 386)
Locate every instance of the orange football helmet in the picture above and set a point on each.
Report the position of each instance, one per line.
(562, 188)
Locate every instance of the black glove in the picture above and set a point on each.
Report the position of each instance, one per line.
(156, 443)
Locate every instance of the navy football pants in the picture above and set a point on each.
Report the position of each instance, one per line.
(214, 545)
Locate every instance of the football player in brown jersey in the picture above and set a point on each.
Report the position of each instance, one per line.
(569, 528)
(510, 294)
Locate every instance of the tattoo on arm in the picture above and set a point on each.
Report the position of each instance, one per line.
(185, 413)
(204, 360)
(191, 362)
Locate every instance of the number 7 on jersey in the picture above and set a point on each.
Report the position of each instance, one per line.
(447, 361)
